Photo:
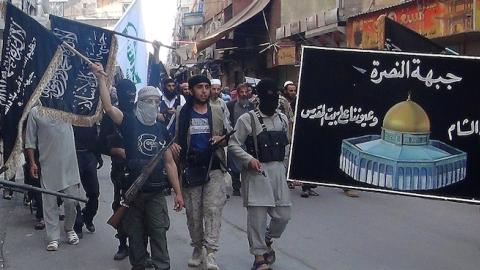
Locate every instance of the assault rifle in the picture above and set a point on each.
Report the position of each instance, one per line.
(22, 187)
(137, 185)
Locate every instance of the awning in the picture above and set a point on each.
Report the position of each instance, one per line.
(253, 9)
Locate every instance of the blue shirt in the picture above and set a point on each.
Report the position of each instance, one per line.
(199, 132)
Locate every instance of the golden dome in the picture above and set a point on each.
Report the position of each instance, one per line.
(407, 116)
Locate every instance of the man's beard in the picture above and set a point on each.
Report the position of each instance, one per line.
(169, 95)
(200, 102)
(243, 101)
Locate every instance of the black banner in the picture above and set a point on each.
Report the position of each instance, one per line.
(400, 38)
(29, 56)
(391, 121)
(72, 94)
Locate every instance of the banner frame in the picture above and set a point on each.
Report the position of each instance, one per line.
(385, 191)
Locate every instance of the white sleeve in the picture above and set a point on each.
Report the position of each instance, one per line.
(31, 131)
(182, 100)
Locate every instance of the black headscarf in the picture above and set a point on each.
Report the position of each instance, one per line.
(268, 96)
(126, 95)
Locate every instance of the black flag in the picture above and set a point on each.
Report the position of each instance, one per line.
(402, 38)
(30, 55)
(72, 94)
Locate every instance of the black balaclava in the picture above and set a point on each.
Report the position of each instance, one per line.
(126, 95)
(169, 95)
(268, 95)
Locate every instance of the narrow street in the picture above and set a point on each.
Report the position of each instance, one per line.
(331, 231)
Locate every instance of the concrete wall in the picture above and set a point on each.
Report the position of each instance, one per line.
(112, 9)
(239, 5)
(354, 7)
(300, 9)
(212, 8)
(294, 10)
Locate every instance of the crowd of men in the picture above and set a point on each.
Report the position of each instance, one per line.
(214, 132)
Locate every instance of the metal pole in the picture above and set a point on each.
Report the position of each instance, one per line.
(142, 40)
(46, 191)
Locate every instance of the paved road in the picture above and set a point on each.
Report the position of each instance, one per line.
(331, 231)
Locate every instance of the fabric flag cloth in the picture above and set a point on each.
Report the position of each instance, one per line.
(72, 95)
(30, 55)
(157, 73)
(132, 56)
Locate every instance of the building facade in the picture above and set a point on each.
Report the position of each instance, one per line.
(258, 38)
(451, 23)
(101, 13)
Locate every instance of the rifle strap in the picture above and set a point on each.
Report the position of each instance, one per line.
(254, 133)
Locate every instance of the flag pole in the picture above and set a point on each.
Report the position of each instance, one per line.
(82, 56)
(142, 40)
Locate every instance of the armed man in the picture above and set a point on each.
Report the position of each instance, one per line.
(201, 125)
(264, 131)
(143, 138)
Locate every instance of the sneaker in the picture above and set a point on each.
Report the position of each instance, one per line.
(61, 217)
(351, 193)
(149, 263)
(72, 238)
(7, 194)
(90, 227)
(52, 246)
(236, 192)
(269, 256)
(305, 194)
(211, 264)
(26, 200)
(39, 225)
(121, 254)
(197, 257)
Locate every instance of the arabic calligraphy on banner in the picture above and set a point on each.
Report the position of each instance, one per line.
(19, 52)
(472, 126)
(342, 116)
(406, 69)
(73, 89)
(400, 121)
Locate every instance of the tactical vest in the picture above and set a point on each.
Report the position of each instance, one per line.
(267, 146)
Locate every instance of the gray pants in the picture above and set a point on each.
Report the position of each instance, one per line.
(51, 212)
(204, 205)
(148, 217)
(257, 229)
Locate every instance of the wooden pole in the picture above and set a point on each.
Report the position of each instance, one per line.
(143, 40)
(82, 56)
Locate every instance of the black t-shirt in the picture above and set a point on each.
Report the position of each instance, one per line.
(141, 144)
(86, 138)
(110, 138)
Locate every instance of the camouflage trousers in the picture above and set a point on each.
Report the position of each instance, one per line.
(204, 205)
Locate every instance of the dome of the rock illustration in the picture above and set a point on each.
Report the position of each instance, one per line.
(403, 157)
(407, 116)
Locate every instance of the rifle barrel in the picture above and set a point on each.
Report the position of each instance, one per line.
(46, 191)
